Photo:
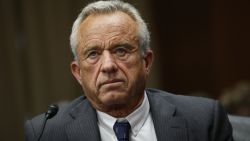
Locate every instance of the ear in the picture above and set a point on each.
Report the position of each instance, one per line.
(76, 71)
(148, 58)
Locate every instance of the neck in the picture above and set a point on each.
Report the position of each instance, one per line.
(123, 110)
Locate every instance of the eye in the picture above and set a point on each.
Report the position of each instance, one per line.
(93, 54)
(120, 51)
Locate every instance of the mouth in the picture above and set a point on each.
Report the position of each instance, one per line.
(112, 83)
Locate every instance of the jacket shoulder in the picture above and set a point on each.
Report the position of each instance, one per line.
(203, 117)
(177, 98)
(190, 107)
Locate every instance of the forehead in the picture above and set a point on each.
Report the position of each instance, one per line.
(107, 26)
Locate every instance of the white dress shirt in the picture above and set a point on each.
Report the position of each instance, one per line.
(142, 127)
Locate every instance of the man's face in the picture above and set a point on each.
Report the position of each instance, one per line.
(110, 67)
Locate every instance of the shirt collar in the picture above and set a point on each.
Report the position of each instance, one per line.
(136, 119)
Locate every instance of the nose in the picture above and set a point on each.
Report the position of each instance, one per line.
(108, 63)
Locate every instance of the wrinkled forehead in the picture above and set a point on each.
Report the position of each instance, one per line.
(106, 25)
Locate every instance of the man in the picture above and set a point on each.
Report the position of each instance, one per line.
(110, 42)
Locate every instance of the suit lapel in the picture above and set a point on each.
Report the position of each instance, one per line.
(168, 126)
(84, 126)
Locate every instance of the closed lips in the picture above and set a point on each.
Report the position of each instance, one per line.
(113, 81)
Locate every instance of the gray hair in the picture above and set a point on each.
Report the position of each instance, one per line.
(104, 7)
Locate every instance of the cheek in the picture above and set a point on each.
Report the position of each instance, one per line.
(89, 75)
(133, 69)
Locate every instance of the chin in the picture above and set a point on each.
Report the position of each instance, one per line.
(114, 98)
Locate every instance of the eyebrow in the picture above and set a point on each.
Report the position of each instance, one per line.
(121, 44)
(87, 49)
(115, 45)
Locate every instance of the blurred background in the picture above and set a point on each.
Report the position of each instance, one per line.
(201, 48)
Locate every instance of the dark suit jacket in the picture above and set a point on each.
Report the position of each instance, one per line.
(175, 117)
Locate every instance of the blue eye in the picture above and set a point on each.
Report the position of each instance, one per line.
(92, 54)
(121, 51)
